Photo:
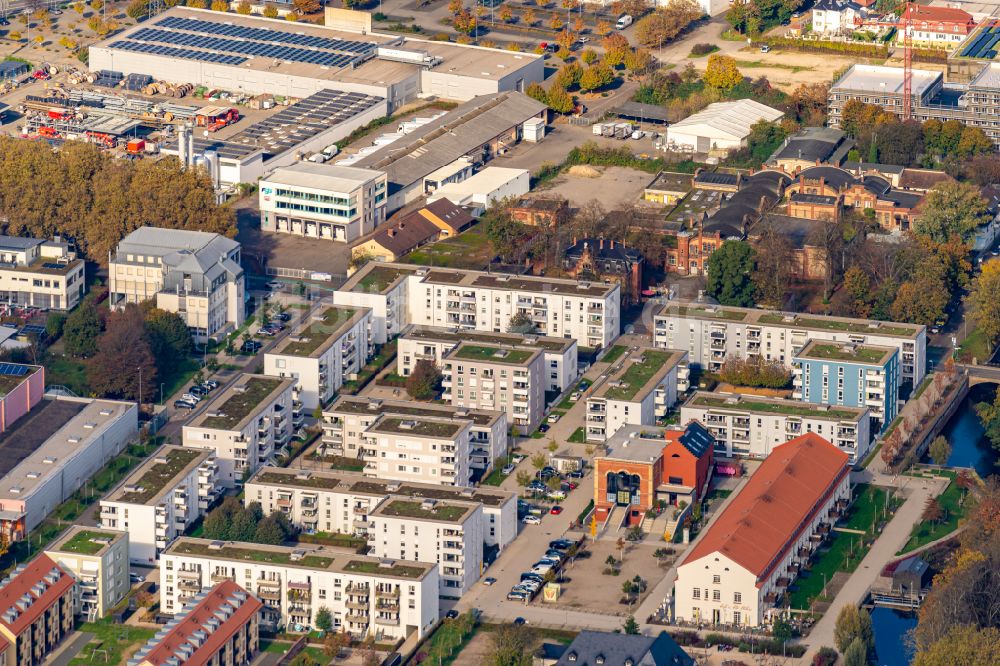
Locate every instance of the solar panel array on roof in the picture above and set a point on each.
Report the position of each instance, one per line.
(13, 369)
(186, 54)
(984, 45)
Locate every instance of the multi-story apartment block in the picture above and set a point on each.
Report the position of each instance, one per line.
(220, 627)
(742, 566)
(713, 333)
(432, 343)
(400, 520)
(422, 450)
(246, 425)
(98, 560)
(327, 201)
(639, 389)
(388, 599)
(37, 603)
(510, 379)
(52, 450)
(347, 419)
(848, 374)
(400, 294)
(750, 425)
(162, 498)
(193, 273)
(322, 354)
(41, 274)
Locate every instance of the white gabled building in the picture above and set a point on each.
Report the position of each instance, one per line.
(400, 520)
(387, 599)
(322, 354)
(246, 425)
(346, 420)
(161, 498)
(401, 294)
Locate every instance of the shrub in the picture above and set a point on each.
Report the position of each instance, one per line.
(755, 371)
(703, 49)
(847, 48)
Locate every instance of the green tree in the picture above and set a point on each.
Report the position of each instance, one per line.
(54, 323)
(781, 630)
(270, 11)
(123, 359)
(854, 624)
(244, 8)
(504, 232)
(940, 450)
(951, 208)
(857, 285)
(511, 644)
(963, 644)
(423, 382)
(324, 619)
(268, 531)
(982, 301)
(631, 627)
(559, 100)
(569, 76)
(137, 9)
(729, 274)
(989, 416)
(538, 461)
(661, 26)
(588, 57)
(537, 92)
(169, 339)
(596, 77)
(523, 478)
(856, 654)
(82, 329)
(721, 72)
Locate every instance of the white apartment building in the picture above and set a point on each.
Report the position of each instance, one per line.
(346, 420)
(193, 273)
(509, 379)
(752, 426)
(742, 566)
(421, 450)
(712, 333)
(39, 273)
(327, 201)
(432, 343)
(98, 560)
(245, 425)
(401, 294)
(637, 390)
(399, 520)
(53, 450)
(388, 599)
(161, 498)
(322, 354)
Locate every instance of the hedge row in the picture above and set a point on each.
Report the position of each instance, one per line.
(848, 48)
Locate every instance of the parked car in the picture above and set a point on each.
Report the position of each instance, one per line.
(489, 580)
(251, 347)
(553, 418)
(198, 390)
(284, 316)
(556, 495)
(575, 396)
(530, 576)
(209, 385)
(516, 596)
(184, 404)
(765, 48)
(576, 474)
(507, 470)
(554, 554)
(536, 487)
(275, 285)
(543, 427)
(517, 458)
(560, 544)
(190, 397)
(520, 620)
(532, 520)
(556, 510)
(452, 614)
(569, 485)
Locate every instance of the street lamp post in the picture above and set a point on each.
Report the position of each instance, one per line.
(140, 387)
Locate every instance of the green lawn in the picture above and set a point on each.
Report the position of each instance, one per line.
(280, 647)
(614, 353)
(578, 436)
(447, 641)
(836, 557)
(976, 345)
(495, 478)
(68, 372)
(469, 249)
(113, 640)
(346, 464)
(870, 503)
(925, 532)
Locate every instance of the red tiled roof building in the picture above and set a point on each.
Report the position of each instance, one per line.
(36, 611)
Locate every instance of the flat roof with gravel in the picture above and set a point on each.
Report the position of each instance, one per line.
(161, 471)
(639, 372)
(238, 404)
(735, 402)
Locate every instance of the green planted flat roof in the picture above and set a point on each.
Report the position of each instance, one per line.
(832, 324)
(87, 542)
(416, 509)
(423, 427)
(239, 405)
(832, 351)
(471, 352)
(787, 408)
(250, 553)
(318, 332)
(292, 479)
(374, 567)
(156, 477)
(380, 278)
(625, 385)
(700, 311)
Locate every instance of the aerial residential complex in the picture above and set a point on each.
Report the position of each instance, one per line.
(161, 498)
(849, 374)
(220, 627)
(742, 566)
(432, 343)
(509, 379)
(321, 355)
(38, 602)
(192, 273)
(39, 273)
(713, 333)
(347, 419)
(401, 294)
(638, 390)
(51, 451)
(246, 425)
(423, 450)
(98, 560)
(365, 595)
(750, 425)
(322, 201)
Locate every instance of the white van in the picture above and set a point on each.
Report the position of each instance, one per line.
(624, 21)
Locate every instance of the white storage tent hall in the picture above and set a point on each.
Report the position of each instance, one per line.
(720, 126)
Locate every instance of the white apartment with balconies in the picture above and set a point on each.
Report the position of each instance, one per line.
(494, 377)
(638, 389)
(712, 333)
(246, 425)
(420, 450)
(387, 599)
(98, 560)
(752, 426)
(322, 354)
(400, 294)
(323, 201)
(432, 343)
(346, 420)
(161, 499)
(399, 520)
(39, 273)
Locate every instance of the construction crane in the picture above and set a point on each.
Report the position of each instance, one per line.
(907, 61)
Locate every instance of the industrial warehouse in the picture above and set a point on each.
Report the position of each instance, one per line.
(255, 55)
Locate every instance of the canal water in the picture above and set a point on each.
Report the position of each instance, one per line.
(969, 448)
(892, 641)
